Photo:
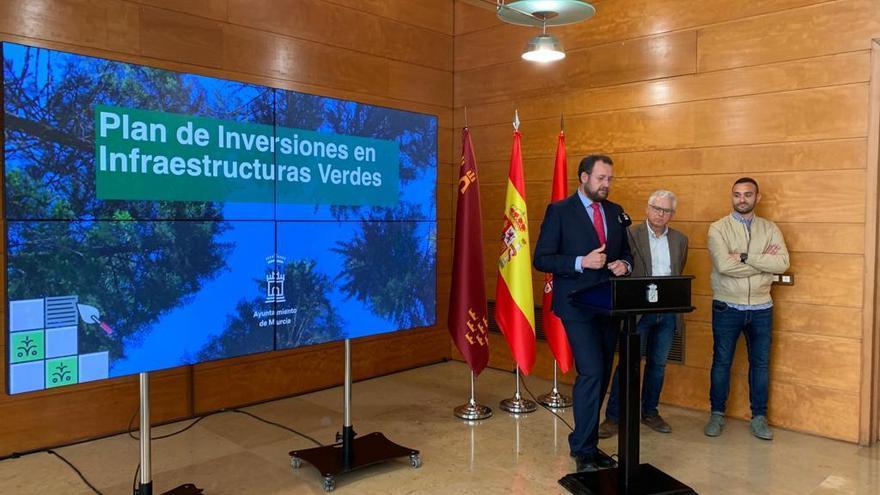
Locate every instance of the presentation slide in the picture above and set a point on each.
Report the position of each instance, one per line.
(157, 219)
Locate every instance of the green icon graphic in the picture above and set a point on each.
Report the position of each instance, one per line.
(27, 346)
(61, 371)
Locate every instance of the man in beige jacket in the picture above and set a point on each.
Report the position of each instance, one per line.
(746, 251)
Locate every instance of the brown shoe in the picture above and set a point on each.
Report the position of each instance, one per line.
(656, 423)
(608, 428)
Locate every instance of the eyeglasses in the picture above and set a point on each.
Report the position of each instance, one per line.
(661, 211)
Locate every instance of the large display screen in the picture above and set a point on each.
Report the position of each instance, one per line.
(155, 219)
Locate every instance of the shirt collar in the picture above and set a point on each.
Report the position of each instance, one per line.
(739, 218)
(655, 236)
(588, 203)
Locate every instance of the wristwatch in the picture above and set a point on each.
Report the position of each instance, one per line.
(743, 257)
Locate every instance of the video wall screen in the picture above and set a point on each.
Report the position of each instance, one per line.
(156, 219)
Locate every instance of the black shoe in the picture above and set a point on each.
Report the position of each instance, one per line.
(604, 461)
(586, 463)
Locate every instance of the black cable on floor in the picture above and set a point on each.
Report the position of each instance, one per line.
(135, 480)
(77, 471)
(551, 411)
(187, 427)
(167, 435)
(246, 413)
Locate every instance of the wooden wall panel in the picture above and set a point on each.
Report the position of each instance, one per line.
(779, 92)
(49, 418)
(830, 70)
(106, 24)
(212, 9)
(615, 20)
(788, 35)
(268, 376)
(395, 54)
(436, 15)
(337, 25)
(835, 112)
(806, 408)
(646, 58)
(181, 37)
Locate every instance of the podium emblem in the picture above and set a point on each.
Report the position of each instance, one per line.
(652, 294)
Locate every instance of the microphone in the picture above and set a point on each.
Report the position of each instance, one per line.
(624, 219)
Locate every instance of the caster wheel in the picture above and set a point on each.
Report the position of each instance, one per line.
(329, 484)
(415, 461)
(295, 462)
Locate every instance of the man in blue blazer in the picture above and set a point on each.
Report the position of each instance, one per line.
(583, 242)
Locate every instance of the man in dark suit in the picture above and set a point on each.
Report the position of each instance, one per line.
(658, 250)
(582, 242)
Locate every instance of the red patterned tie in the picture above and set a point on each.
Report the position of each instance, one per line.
(597, 223)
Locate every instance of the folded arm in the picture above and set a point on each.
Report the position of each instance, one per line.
(721, 259)
(774, 258)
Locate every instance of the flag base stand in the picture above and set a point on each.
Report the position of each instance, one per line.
(472, 411)
(350, 453)
(516, 404)
(555, 400)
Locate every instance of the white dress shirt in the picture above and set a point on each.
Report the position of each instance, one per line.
(661, 264)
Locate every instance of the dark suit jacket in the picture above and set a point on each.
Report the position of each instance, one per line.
(566, 233)
(678, 252)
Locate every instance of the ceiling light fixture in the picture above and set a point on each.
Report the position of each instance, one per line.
(544, 47)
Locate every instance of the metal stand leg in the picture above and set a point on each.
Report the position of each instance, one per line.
(554, 399)
(146, 482)
(350, 453)
(628, 436)
(516, 404)
(471, 411)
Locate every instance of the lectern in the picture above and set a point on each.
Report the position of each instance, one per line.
(625, 298)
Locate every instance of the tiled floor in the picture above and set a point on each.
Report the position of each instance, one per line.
(231, 453)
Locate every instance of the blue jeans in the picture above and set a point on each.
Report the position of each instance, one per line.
(656, 332)
(727, 324)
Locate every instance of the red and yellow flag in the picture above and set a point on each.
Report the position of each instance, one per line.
(553, 329)
(468, 314)
(514, 302)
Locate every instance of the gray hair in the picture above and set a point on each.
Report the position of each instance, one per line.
(663, 193)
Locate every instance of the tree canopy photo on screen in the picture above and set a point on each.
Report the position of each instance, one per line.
(156, 218)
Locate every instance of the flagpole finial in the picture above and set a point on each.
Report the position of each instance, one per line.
(562, 122)
(465, 116)
(516, 120)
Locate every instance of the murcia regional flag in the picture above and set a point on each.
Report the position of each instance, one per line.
(514, 303)
(468, 315)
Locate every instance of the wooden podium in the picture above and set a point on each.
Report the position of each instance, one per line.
(625, 298)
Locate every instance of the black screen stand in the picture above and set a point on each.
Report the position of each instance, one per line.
(350, 453)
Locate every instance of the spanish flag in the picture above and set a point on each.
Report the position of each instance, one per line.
(514, 301)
